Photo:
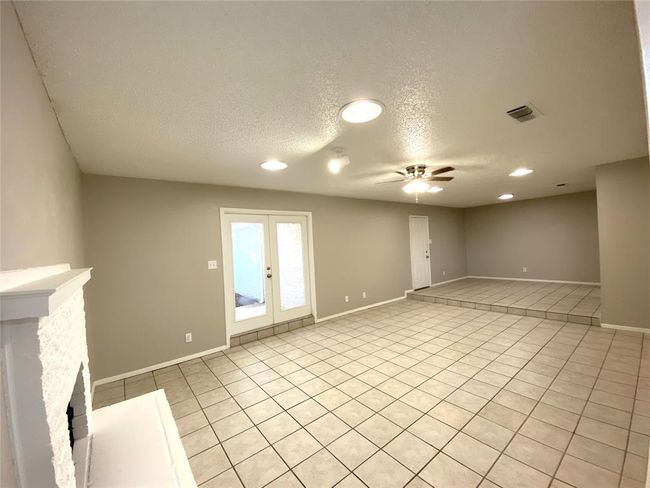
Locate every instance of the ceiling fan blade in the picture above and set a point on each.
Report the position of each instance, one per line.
(446, 169)
(440, 178)
(392, 181)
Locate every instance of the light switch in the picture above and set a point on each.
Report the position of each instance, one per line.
(212, 265)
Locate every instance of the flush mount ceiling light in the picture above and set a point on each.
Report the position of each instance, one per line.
(416, 186)
(434, 189)
(506, 196)
(521, 172)
(337, 164)
(361, 111)
(273, 165)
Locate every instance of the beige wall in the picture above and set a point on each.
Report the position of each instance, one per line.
(40, 216)
(41, 183)
(556, 238)
(149, 242)
(624, 221)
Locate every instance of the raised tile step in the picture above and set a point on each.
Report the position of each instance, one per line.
(542, 314)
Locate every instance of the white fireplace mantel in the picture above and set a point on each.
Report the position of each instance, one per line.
(20, 299)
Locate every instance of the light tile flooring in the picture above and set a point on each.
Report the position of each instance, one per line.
(415, 394)
(552, 300)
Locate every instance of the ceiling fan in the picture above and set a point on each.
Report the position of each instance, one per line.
(417, 180)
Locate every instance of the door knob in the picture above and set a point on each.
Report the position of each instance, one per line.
(268, 275)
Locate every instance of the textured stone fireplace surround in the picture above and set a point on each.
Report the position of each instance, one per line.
(44, 357)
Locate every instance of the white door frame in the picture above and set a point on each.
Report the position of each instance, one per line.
(428, 250)
(225, 246)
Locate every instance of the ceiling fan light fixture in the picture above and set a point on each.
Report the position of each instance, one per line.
(521, 172)
(435, 189)
(335, 165)
(416, 186)
(361, 111)
(506, 196)
(274, 165)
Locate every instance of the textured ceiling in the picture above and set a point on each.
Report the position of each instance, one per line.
(203, 92)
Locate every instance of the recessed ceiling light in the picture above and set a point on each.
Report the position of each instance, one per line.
(337, 164)
(361, 111)
(416, 186)
(273, 165)
(521, 172)
(506, 196)
(434, 189)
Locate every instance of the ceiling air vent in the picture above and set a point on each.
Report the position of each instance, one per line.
(523, 113)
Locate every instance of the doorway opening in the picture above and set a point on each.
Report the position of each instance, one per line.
(420, 255)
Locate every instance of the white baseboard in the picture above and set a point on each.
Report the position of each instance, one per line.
(366, 307)
(626, 328)
(432, 285)
(153, 367)
(592, 283)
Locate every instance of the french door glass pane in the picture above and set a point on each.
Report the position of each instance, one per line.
(248, 269)
(291, 263)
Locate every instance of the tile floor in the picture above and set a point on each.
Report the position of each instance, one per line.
(556, 301)
(415, 394)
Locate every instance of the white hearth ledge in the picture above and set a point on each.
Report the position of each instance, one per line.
(47, 289)
(136, 444)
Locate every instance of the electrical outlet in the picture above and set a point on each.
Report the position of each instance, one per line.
(212, 265)
(347, 299)
(363, 294)
(444, 273)
(524, 269)
(188, 337)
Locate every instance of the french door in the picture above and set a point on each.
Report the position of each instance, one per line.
(266, 269)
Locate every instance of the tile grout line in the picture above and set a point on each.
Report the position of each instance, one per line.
(467, 335)
(573, 433)
(502, 452)
(352, 428)
(389, 330)
(629, 430)
(484, 342)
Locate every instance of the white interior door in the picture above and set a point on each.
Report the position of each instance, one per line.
(420, 260)
(247, 272)
(267, 267)
(290, 255)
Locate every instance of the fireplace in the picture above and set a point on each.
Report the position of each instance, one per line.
(48, 395)
(45, 374)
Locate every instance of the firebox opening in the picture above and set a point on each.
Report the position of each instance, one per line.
(70, 413)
